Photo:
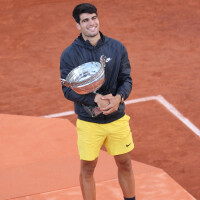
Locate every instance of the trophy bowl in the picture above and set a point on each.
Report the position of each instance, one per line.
(86, 78)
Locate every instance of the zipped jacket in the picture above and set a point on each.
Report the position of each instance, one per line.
(117, 74)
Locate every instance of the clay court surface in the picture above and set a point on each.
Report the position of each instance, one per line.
(162, 39)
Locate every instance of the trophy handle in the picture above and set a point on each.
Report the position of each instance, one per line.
(103, 61)
(64, 82)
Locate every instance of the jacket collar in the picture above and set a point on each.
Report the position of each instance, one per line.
(87, 43)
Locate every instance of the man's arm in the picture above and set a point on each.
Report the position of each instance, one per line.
(124, 86)
(65, 68)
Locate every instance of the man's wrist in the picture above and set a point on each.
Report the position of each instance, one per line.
(121, 98)
(118, 96)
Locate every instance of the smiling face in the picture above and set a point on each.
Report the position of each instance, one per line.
(89, 26)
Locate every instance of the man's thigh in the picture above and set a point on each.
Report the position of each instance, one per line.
(119, 140)
(90, 139)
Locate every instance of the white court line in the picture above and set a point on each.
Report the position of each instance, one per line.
(175, 112)
(59, 114)
(158, 98)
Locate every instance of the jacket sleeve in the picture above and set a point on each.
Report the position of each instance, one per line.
(124, 77)
(65, 68)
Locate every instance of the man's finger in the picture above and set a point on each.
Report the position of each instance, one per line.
(108, 107)
(108, 96)
(107, 112)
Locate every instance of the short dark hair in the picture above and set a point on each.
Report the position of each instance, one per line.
(83, 8)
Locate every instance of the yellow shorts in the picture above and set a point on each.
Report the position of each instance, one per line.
(116, 136)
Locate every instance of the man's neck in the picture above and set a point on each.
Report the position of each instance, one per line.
(93, 40)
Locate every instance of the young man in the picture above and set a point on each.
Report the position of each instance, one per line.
(111, 127)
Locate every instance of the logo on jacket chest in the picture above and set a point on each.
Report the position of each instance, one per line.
(108, 59)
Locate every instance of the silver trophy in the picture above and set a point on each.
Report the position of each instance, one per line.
(86, 78)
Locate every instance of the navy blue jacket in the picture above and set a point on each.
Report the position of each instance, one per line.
(117, 74)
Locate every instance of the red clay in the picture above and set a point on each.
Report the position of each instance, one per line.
(162, 38)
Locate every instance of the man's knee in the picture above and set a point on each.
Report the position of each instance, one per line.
(124, 163)
(87, 168)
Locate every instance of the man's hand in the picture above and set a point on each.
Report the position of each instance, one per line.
(102, 103)
(113, 105)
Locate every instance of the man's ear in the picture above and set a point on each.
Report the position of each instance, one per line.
(78, 26)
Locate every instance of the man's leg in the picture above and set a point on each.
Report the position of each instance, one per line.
(125, 175)
(87, 179)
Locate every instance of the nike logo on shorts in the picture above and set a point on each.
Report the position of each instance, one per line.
(128, 145)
